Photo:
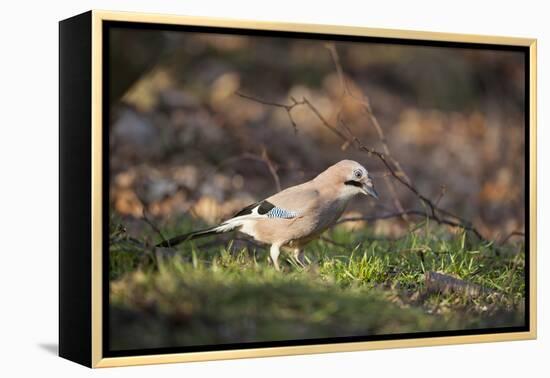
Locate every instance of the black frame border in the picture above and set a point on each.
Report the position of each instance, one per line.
(75, 183)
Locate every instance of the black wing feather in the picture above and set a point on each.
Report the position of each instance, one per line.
(263, 208)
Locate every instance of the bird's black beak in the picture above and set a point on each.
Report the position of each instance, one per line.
(369, 190)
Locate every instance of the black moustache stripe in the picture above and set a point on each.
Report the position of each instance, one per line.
(354, 183)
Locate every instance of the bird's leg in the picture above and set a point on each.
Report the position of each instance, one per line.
(299, 256)
(274, 254)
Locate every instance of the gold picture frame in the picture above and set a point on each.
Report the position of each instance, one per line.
(89, 328)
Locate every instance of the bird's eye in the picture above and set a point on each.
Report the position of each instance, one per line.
(357, 174)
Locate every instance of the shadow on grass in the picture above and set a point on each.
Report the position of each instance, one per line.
(182, 307)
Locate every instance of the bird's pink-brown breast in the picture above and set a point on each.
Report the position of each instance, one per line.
(310, 223)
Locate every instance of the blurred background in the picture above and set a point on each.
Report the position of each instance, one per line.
(184, 144)
(189, 148)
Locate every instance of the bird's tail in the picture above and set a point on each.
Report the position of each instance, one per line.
(222, 228)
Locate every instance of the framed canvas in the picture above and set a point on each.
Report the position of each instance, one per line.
(235, 189)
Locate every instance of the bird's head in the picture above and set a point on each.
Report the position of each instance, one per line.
(351, 178)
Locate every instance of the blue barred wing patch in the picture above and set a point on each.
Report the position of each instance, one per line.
(277, 212)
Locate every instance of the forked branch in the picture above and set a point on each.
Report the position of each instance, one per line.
(432, 208)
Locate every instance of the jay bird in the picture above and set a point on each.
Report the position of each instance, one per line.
(296, 215)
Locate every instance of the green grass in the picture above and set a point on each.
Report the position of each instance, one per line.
(204, 293)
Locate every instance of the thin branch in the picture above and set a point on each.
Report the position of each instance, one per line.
(433, 211)
(511, 234)
(151, 223)
(264, 102)
(272, 168)
(442, 192)
(346, 92)
(327, 124)
(331, 47)
(353, 140)
(399, 214)
(263, 158)
(288, 108)
(330, 241)
(224, 241)
(397, 203)
(144, 205)
(365, 103)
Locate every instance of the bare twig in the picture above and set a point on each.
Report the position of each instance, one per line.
(365, 103)
(331, 47)
(323, 120)
(395, 199)
(432, 209)
(263, 158)
(144, 205)
(286, 107)
(433, 212)
(151, 223)
(370, 218)
(330, 241)
(442, 192)
(399, 214)
(272, 168)
(224, 241)
(346, 92)
(510, 235)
